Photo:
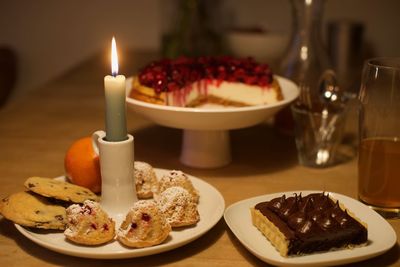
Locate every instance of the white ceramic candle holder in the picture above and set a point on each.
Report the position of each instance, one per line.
(118, 189)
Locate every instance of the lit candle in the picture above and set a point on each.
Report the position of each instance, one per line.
(115, 101)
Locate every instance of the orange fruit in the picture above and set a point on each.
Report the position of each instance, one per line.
(82, 165)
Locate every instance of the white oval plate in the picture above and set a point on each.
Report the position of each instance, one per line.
(211, 208)
(381, 236)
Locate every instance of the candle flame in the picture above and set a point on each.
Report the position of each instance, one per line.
(114, 58)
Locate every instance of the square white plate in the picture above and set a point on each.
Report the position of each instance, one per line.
(381, 236)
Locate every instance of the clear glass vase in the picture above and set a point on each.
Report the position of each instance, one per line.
(306, 58)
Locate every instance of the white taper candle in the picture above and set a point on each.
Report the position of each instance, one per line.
(115, 101)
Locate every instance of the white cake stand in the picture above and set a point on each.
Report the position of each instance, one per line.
(206, 129)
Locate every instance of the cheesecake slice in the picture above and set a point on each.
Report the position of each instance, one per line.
(192, 82)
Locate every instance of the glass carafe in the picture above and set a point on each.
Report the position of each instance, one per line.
(306, 58)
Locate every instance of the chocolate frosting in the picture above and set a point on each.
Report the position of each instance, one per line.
(313, 222)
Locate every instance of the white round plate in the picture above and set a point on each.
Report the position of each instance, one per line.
(212, 118)
(211, 208)
(381, 236)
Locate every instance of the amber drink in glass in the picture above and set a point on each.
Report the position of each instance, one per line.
(379, 129)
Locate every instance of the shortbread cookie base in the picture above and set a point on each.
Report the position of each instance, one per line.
(270, 231)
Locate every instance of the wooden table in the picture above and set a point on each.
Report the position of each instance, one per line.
(36, 130)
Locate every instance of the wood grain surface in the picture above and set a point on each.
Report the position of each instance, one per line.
(36, 130)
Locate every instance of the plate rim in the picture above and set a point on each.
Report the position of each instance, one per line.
(134, 252)
(277, 259)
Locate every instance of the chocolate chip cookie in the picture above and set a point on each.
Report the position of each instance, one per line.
(32, 210)
(59, 190)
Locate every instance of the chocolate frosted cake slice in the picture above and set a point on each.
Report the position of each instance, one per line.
(306, 224)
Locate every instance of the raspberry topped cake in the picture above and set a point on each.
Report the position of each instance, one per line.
(192, 82)
(307, 224)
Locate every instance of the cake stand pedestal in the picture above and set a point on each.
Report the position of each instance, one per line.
(206, 129)
(205, 149)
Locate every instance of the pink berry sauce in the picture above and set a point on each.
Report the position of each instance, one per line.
(169, 75)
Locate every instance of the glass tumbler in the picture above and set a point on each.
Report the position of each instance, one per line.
(379, 132)
(318, 135)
